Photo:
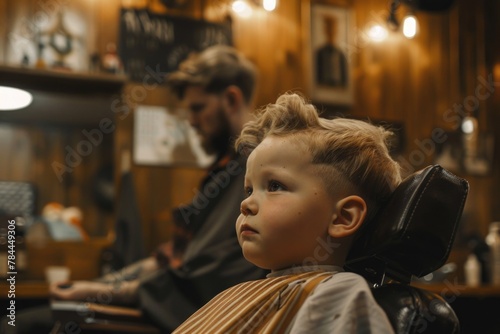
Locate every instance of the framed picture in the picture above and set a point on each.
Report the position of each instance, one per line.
(163, 137)
(330, 66)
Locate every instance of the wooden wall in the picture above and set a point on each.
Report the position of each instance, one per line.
(493, 60)
(417, 82)
(410, 82)
(30, 154)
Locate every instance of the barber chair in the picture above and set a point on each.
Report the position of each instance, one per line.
(412, 235)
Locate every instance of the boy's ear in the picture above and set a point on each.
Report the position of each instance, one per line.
(350, 214)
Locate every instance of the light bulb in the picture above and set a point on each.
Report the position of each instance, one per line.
(410, 26)
(377, 33)
(242, 8)
(269, 5)
(14, 98)
(469, 124)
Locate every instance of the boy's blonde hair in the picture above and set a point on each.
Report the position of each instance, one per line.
(352, 155)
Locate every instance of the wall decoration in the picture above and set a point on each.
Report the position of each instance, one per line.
(157, 43)
(61, 41)
(330, 64)
(163, 137)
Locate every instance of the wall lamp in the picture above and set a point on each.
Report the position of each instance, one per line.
(244, 7)
(14, 98)
(410, 23)
(410, 27)
(379, 32)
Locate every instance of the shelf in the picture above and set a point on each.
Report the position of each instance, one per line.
(61, 81)
(62, 98)
(460, 290)
(27, 289)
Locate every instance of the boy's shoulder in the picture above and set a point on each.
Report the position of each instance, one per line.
(346, 277)
(339, 303)
(345, 280)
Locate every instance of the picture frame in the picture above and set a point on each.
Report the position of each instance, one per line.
(163, 137)
(329, 27)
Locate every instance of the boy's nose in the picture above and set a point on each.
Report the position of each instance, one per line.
(248, 207)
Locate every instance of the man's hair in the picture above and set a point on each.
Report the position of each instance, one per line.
(215, 69)
(351, 155)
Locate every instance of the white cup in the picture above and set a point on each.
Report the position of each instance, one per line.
(57, 274)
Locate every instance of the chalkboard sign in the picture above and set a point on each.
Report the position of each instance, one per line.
(159, 43)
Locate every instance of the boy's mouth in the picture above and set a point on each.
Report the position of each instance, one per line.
(246, 229)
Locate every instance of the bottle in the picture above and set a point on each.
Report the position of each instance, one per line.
(472, 271)
(493, 241)
(110, 61)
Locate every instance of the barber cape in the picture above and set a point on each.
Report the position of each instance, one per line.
(264, 306)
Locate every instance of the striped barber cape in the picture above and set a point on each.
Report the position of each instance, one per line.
(264, 306)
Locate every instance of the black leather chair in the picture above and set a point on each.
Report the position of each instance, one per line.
(412, 235)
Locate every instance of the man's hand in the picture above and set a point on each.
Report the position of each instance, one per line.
(118, 293)
(79, 290)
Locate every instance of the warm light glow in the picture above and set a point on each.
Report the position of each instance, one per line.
(242, 8)
(410, 26)
(469, 124)
(377, 33)
(13, 98)
(269, 5)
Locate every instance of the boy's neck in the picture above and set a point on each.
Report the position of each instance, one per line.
(304, 269)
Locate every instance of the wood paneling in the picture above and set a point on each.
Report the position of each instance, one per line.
(492, 31)
(31, 154)
(417, 81)
(82, 258)
(3, 31)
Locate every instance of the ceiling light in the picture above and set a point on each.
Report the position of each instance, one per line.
(14, 98)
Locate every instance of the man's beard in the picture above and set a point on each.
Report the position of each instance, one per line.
(218, 144)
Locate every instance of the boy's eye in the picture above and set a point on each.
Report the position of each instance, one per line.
(248, 191)
(274, 186)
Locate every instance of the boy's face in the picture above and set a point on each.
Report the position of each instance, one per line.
(287, 212)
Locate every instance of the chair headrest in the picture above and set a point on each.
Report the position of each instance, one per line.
(412, 234)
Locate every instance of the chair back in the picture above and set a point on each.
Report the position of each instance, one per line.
(412, 235)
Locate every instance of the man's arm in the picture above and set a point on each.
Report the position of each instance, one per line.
(136, 270)
(119, 287)
(121, 293)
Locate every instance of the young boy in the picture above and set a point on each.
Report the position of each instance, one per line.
(310, 184)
